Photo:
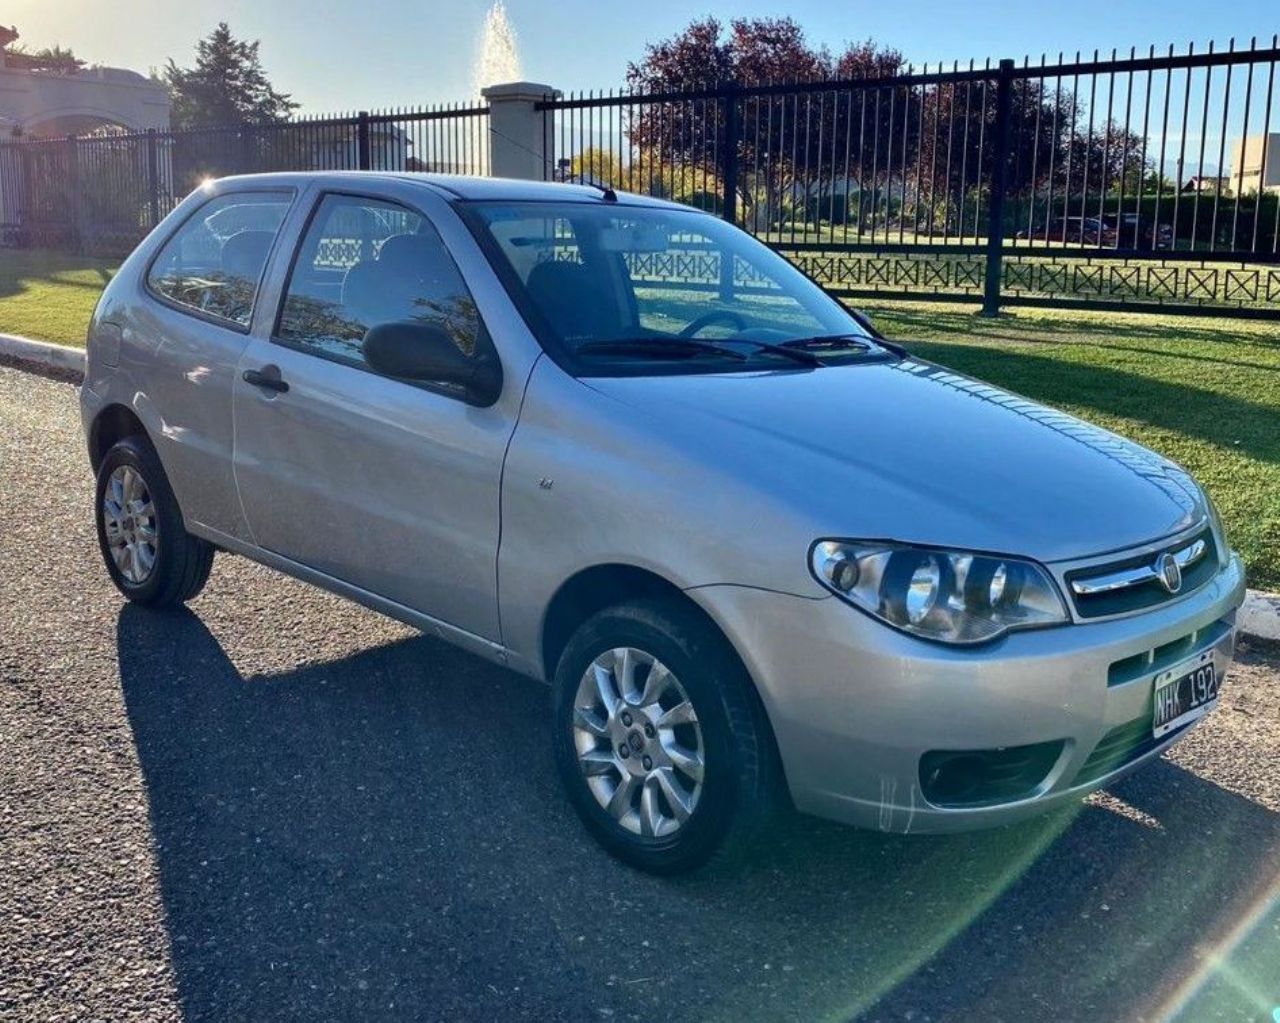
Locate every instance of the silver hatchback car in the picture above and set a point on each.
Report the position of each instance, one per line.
(760, 553)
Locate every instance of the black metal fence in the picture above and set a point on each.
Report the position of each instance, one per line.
(1118, 182)
(1125, 181)
(102, 193)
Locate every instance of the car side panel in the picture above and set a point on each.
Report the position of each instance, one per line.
(588, 483)
(175, 371)
(187, 407)
(166, 366)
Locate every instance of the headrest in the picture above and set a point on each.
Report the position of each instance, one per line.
(245, 253)
(412, 255)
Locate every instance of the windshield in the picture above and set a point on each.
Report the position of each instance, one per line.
(608, 284)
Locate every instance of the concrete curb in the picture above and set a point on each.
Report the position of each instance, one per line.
(44, 357)
(1259, 617)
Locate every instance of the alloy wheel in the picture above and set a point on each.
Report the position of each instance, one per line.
(638, 742)
(129, 524)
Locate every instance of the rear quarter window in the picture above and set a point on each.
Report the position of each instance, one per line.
(213, 263)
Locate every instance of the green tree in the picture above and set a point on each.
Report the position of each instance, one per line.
(55, 60)
(600, 166)
(788, 149)
(227, 85)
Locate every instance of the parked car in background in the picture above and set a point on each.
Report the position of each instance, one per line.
(1071, 231)
(1110, 231)
(761, 554)
(1132, 231)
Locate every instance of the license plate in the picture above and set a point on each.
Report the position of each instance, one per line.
(1185, 692)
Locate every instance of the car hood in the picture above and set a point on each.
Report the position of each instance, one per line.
(910, 451)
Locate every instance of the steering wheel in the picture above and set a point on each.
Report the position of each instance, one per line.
(715, 316)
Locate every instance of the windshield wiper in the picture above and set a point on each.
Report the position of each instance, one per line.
(828, 341)
(794, 354)
(644, 346)
(649, 346)
(837, 341)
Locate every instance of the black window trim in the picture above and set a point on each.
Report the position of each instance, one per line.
(482, 337)
(201, 314)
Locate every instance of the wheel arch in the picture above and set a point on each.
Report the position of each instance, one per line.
(112, 424)
(593, 589)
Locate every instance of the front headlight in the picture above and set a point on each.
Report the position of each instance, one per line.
(949, 596)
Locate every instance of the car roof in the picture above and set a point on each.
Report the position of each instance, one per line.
(460, 187)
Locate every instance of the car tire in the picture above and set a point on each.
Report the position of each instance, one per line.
(724, 811)
(149, 554)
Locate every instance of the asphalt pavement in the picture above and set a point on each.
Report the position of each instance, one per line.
(275, 805)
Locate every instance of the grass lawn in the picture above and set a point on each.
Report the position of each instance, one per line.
(49, 295)
(1205, 392)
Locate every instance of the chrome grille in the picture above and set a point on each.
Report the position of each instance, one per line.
(1143, 581)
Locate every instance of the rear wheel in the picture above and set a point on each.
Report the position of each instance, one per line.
(660, 739)
(149, 555)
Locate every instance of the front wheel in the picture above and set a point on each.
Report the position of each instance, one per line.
(661, 741)
(150, 556)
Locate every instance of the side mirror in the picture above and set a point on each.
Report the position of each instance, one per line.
(408, 350)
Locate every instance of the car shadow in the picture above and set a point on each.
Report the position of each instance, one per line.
(383, 836)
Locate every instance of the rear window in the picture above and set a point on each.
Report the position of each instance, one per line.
(213, 263)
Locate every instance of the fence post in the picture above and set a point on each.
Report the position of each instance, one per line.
(75, 198)
(999, 185)
(153, 178)
(729, 153)
(363, 155)
(521, 139)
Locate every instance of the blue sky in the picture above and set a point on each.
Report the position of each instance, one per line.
(376, 53)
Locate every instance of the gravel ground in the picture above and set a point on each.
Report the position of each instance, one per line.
(276, 806)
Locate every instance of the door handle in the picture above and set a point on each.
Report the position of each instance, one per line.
(266, 380)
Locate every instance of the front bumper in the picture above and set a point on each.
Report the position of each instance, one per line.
(855, 705)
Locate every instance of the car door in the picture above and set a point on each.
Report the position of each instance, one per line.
(389, 486)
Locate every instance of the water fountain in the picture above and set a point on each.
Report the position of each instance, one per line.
(518, 130)
(497, 60)
(497, 63)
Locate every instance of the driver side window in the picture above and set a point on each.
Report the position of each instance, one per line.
(365, 262)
